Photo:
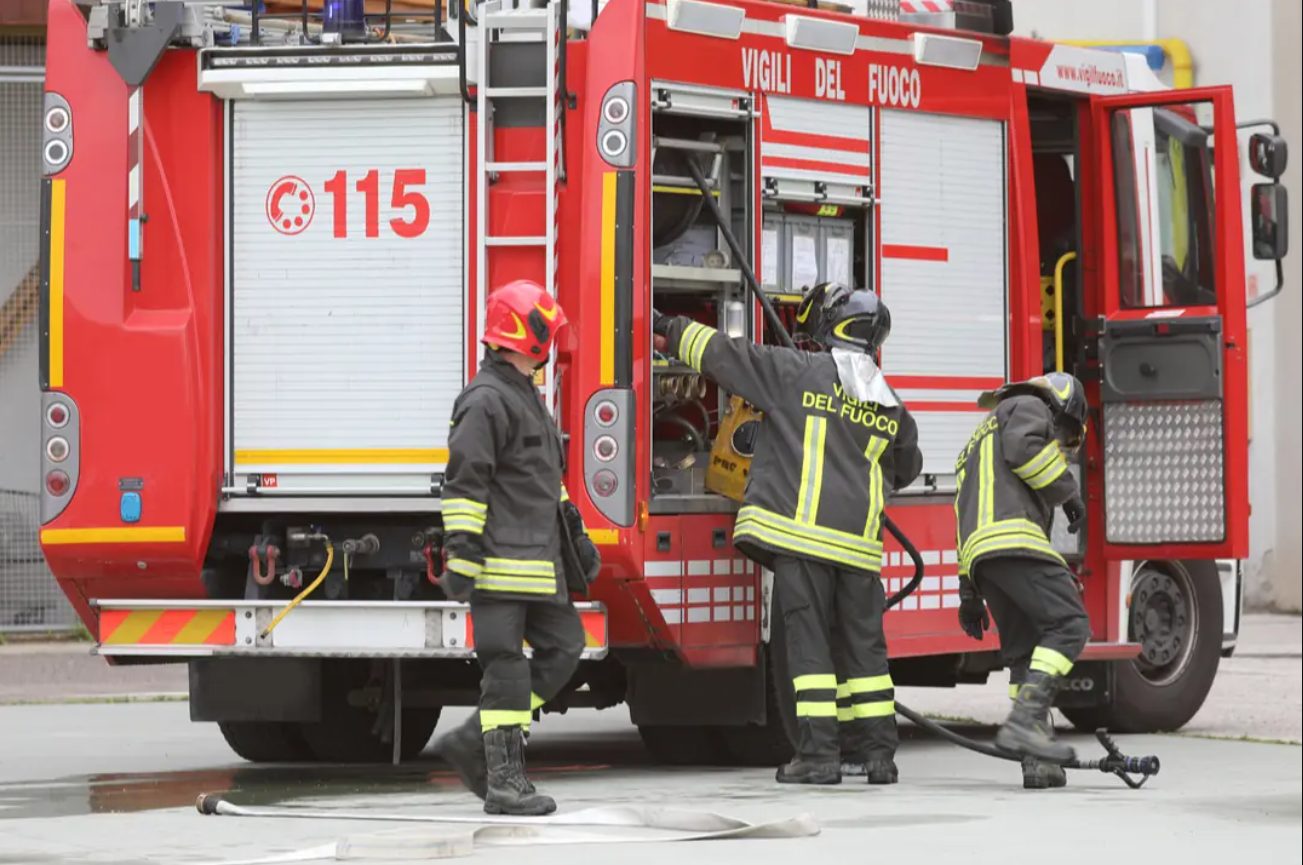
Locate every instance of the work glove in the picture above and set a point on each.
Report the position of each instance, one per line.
(661, 323)
(590, 560)
(1075, 510)
(973, 617)
(457, 587)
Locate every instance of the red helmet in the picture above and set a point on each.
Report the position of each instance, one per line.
(521, 316)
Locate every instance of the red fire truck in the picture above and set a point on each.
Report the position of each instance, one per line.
(268, 240)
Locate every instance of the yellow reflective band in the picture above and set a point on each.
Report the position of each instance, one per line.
(880, 709)
(565, 493)
(521, 567)
(845, 714)
(807, 503)
(464, 506)
(54, 343)
(843, 690)
(1047, 475)
(492, 719)
(873, 452)
(1013, 691)
(535, 701)
(790, 543)
(986, 484)
(815, 681)
(465, 567)
(820, 709)
(464, 524)
(693, 342)
(844, 540)
(869, 684)
(1020, 543)
(1050, 661)
(492, 582)
(1038, 462)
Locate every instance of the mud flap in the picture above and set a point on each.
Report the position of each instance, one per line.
(1089, 684)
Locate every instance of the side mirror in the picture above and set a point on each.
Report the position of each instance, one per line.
(1270, 214)
(1268, 155)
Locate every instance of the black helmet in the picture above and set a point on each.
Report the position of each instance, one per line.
(1061, 392)
(840, 317)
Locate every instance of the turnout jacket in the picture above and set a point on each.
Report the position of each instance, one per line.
(824, 461)
(504, 504)
(1011, 476)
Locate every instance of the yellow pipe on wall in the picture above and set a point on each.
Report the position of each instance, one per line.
(1177, 51)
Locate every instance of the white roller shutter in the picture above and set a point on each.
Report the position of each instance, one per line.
(345, 338)
(944, 247)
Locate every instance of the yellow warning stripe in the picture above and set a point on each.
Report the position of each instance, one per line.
(115, 535)
(337, 456)
(133, 627)
(606, 312)
(604, 537)
(58, 211)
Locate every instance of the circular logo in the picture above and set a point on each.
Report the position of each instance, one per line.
(290, 205)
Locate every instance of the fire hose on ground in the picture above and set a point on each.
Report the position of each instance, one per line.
(1134, 771)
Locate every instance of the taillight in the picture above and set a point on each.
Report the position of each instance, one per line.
(605, 483)
(56, 143)
(605, 448)
(618, 125)
(609, 453)
(606, 413)
(57, 449)
(57, 483)
(60, 464)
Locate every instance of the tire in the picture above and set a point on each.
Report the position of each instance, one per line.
(694, 745)
(265, 741)
(1176, 616)
(771, 743)
(345, 733)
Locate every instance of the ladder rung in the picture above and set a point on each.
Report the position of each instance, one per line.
(515, 241)
(516, 166)
(516, 92)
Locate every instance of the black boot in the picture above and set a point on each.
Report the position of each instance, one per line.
(463, 749)
(1038, 775)
(1027, 730)
(882, 770)
(509, 791)
(801, 771)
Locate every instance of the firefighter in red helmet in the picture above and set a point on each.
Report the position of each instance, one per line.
(515, 546)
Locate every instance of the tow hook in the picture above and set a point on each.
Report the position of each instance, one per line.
(261, 548)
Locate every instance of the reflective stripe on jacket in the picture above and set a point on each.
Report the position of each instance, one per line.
(825, 461)
(502, 492)
(1011, 476)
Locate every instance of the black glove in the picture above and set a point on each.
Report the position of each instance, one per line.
(1075, 510)
(660, 323)
(590, 560)
(456, 586)
(973, 617)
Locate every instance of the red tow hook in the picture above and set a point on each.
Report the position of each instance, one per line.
(430, 573)
(255, 563)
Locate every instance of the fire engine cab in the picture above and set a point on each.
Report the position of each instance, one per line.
(270, 232)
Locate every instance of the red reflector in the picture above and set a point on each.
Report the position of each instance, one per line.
(606, 413)
(56, 483)
(57, 415)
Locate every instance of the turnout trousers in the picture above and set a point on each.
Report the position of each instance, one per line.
(1038, 610)
(512, 686)
(837, 658)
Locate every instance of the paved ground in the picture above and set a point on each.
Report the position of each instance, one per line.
(114, 783)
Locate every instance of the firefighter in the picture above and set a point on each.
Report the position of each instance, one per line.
(515, 546)
(835, 440)
(1012, 475)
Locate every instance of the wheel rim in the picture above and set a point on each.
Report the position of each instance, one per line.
(1164, 621)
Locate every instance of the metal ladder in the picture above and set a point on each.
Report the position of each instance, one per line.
(498, 25)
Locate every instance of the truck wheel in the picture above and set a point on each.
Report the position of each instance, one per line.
(346, 733)
(265, 741)
(771, 743)
(687, 745)
(1176, 617)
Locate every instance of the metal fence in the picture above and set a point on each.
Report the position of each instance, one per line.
(29, 598)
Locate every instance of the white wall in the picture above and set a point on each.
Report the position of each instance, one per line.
(1253, 46)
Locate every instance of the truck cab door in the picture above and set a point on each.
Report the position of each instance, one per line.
(1168, 296)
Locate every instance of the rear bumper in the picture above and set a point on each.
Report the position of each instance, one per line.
(315, 629)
